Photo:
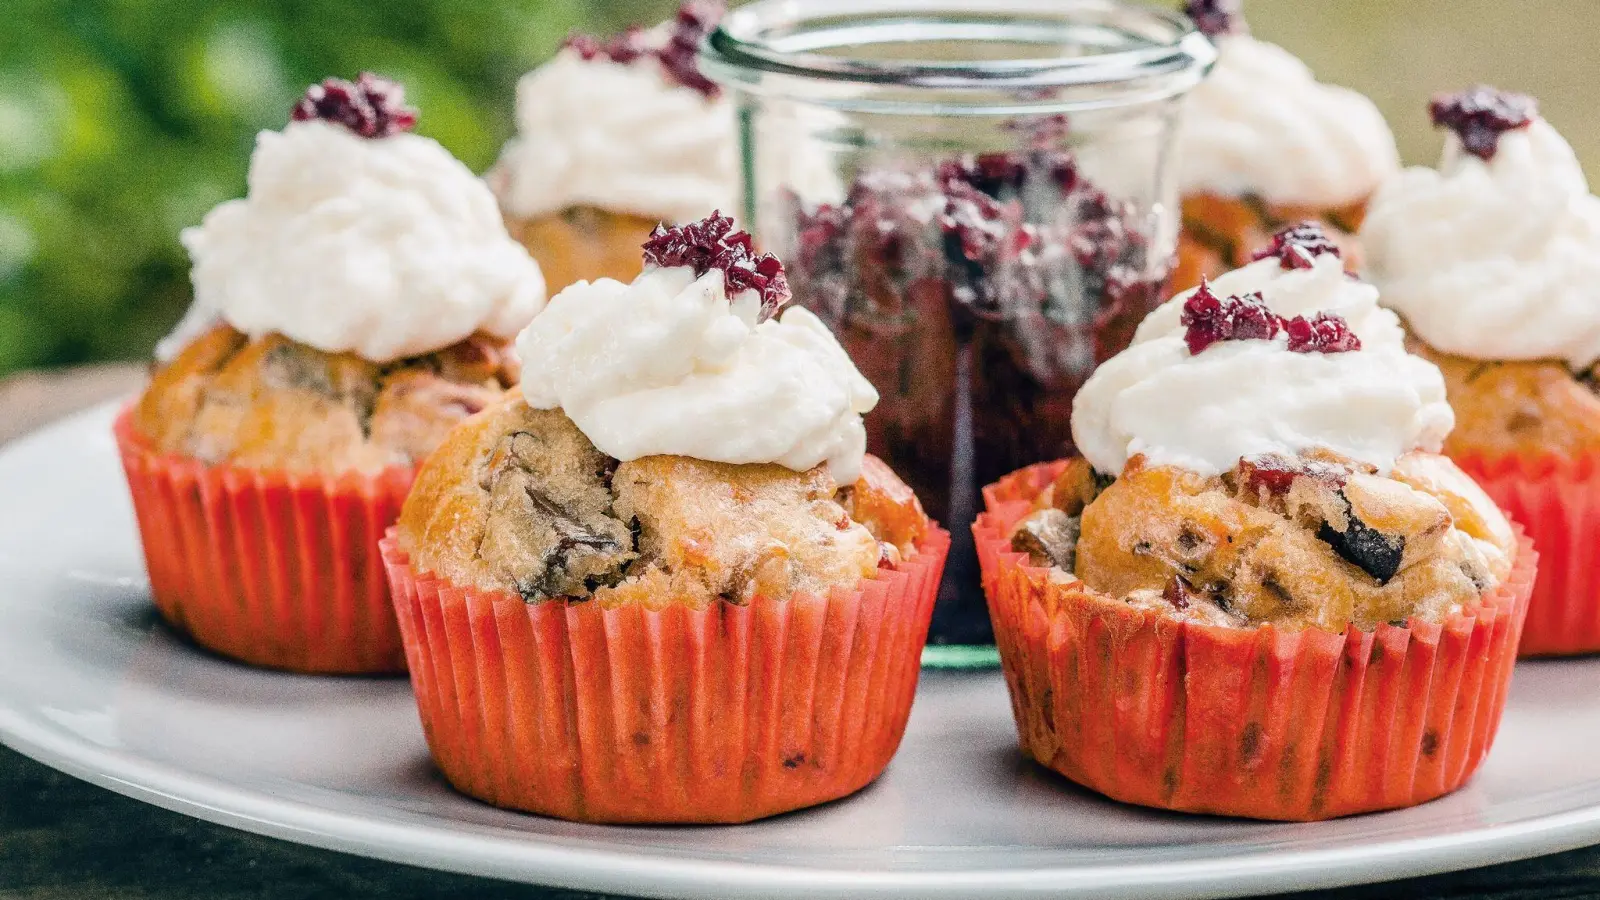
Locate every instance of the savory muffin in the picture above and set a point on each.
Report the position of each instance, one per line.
(681, 490)
(617, 135)
(351, 309)
(613, 137)
(1491, 259)
(273, 403)
(1313, 541)
(1260, 524)
(1266, 145)
(548, 516)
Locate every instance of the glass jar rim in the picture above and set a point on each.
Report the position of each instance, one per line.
(785, 38)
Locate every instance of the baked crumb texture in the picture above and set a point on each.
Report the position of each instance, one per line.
(583, 243)
(1517, 407)
(1160, 696)
(1528, 431)
(664, 640)
(1220, 233)
(519, 500)
(272, 403)
(1309, 542)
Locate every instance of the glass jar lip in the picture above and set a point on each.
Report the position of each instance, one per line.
(771, 36)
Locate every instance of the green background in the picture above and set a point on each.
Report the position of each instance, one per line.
(122, 121)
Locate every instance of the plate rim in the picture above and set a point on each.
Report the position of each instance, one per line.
(590, 865)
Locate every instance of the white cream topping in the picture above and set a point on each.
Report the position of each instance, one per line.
(1262, 124)
(384, 247)
(1235, 399)
(623, 138)
(670, 364)
(1496, 259)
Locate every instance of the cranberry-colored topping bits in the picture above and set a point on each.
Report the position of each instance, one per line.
(372, 107)
(1275, 473)
(624, 48)
(992, 173)
(1479, 115)
(1216, 17)
(1323, 333)
(1298, 246)
(1178, 593)
(980, 229)
(712, 243)
(695, 20)
(1209, 319)
(1044, 132)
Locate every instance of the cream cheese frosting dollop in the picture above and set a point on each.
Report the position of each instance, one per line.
(617, 136)
(671, 364)
(1242, 398)
(386, 247)
(1496, 259)
(1261, 124)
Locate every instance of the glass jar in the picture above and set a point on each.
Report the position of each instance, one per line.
(978, 196)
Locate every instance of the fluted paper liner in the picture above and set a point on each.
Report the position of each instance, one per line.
(272, 568)
(1557, 500)
(1253, 722)
(726, 714)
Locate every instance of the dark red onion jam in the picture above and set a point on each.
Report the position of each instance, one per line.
(1481, 114)
(712, 243)
(977, 293)
(1275, 473)
(1216, 17)
(1298, 246)
(1208, 319)
(372, 106)
(678, 55)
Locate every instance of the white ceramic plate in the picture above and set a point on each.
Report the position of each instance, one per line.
(92, 684)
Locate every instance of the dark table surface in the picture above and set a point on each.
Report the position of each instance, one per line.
(64, 838)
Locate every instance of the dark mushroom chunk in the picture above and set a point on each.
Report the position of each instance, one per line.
(1049, 537)
(1369, 549)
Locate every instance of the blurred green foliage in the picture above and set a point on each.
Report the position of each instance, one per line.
(123, 121)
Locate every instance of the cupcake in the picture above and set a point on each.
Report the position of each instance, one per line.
(348, 312)
(1266, 145)
(1491, 260)
(1261, 592)
(664, 583)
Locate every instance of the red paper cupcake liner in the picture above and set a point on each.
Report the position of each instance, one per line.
(1253, 722)
(272, 568)
(1557, 501)
(721, 715)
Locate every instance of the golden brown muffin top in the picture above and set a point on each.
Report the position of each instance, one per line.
(1316, 541)
(517, 499)
(1517, 407)
(272, 403)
